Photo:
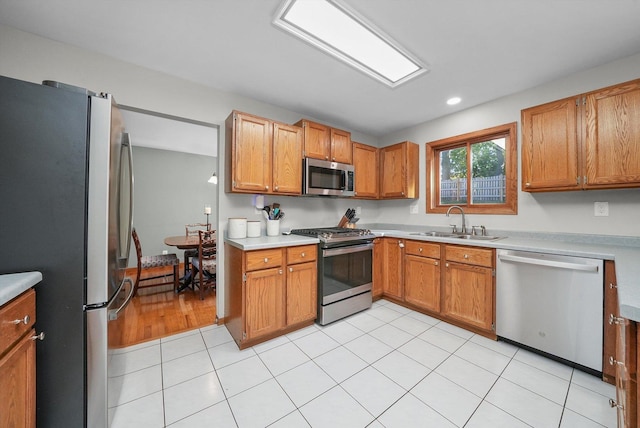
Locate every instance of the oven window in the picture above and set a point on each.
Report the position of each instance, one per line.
(325, 178)
(342, 274)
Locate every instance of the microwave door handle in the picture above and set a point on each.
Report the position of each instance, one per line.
(343, 184)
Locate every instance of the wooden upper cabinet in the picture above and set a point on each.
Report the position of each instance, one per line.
(248, 148)
(612, 137)
(550, 147)
(590, 141)
(262, 156)
(399, 171)
(326, 143)
(341, 150)
(365, 164)
(287, 159)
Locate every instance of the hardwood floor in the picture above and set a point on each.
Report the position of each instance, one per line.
(155, 313)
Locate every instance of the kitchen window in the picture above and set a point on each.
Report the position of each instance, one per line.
(483, 161)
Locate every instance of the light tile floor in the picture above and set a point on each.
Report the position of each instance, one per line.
(385, 367)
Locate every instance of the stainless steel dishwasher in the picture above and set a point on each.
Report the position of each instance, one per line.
(551, 303)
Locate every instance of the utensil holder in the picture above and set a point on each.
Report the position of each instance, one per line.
(273, 227)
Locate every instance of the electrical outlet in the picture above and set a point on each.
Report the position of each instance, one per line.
(358, 210)
(165, 252)
(413, 208)
(601, 209)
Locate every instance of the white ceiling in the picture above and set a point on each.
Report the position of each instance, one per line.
(478, 50)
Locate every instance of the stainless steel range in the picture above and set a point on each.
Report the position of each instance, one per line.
(344, 271)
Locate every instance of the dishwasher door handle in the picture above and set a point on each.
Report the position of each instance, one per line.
(551, 263)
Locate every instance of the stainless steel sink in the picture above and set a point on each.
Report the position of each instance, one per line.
(480, 237)
(437, 234)
(458, 236)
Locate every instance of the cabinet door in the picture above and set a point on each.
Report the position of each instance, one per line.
(251, 154)
(392, 172)
(612, 137)
(317, 140)
(365, 164)
(626, 373)
(341, 150)
(609, 329)
(18, 385)
(302, 294)
(469, 294)
(264, 302)
(422, 282)
(392, 284)
(399, 171)
(378, 267)
(550, 147)
(287, 159)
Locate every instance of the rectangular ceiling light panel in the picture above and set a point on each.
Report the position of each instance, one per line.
(339, 31)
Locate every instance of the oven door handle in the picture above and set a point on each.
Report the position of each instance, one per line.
(346, 250)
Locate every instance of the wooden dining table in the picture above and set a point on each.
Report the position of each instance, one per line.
(184, 242)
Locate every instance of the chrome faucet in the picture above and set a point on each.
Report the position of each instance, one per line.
(464, 224)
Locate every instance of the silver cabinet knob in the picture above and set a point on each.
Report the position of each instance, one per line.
(290, 269)
(420, 249)
(613, 403)
(302, 255)
(613, 361)
(615, 320)
(466, 256)
(266, 260)
(24, 320)
(38, 336)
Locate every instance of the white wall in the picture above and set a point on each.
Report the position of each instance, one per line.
(570, 212)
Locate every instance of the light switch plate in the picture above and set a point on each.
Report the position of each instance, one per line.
(601, 209)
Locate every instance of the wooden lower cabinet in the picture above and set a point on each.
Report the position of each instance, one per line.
(264, 302)
(393, 272)
(452, 282)
(378, 268)
(422, 275)
(468, 294)
(302, 299)
(469, 291)
(269, 292)
(18, 362)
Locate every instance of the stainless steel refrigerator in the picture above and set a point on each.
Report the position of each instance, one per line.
(66, 194)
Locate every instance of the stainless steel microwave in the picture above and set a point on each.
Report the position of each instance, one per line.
(326, 178)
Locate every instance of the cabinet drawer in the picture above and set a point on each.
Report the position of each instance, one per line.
(470, 255)
(424, 249)
(263, 259)
(301, 254)
(20, 309)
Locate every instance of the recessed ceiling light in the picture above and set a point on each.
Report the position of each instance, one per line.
(335, 28)
(454, 100)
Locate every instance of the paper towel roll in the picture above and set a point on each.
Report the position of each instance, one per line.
(253, 229)
(237, 228)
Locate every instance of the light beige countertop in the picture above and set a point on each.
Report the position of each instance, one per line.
(625, 251)
(14, 284)
(263, 242)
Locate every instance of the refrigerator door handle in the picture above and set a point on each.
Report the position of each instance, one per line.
(126, 143)
(114, 313)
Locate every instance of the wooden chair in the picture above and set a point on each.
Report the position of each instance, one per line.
(192, 230)
(148, 262)
(204, 263)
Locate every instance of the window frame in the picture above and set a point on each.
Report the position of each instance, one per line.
(433, 149)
